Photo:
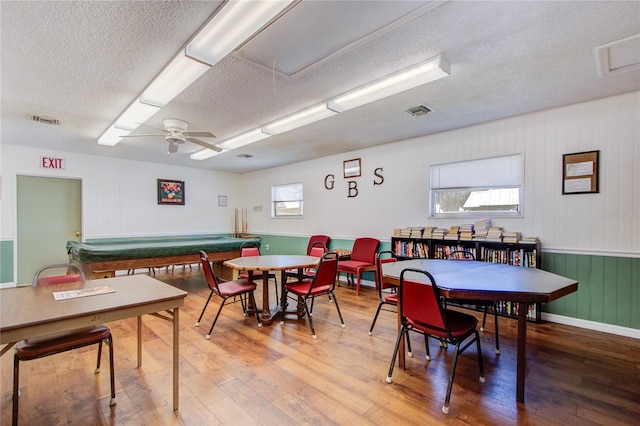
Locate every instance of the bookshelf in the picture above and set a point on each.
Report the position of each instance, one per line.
(519, 254)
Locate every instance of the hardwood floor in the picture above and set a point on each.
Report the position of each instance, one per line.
(279, 375)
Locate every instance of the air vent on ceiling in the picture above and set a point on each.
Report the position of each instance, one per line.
(46, 120)
(417, 111)
(245, 156)
(619, 56)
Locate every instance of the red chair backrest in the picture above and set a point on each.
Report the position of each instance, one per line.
(364, 250)
(249, 251)
(327, 271)
(60, 279)
(68, 277)
(381, 261)
(421, 301)
(317, 251)
(209, 276)
(317, 239)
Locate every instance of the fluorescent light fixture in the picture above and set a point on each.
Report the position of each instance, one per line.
(203, 154)
(417, 75)
(129, 120)
(299, 119)
(251, 136)
(236, 22)
(136, 114)
(174, 78)
(112, 136)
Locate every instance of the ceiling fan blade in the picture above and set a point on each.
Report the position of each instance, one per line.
(204, 144)
(199, 134)
(146, 134)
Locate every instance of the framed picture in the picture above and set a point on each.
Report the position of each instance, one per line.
(580, 172)
(222, 201)
(171, 192)
(351, 168)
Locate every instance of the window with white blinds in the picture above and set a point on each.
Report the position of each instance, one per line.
(287, 200)
(477, 187)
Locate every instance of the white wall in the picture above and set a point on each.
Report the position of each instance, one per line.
(607, 222)
(120, 197)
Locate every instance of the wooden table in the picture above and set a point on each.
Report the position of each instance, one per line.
(31, 311)
(266, 263)
(488, 281)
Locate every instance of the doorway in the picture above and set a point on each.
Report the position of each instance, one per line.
(49, 213)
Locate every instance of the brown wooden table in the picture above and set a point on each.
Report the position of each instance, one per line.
(488, 281)
(266, 263)
(31, 311)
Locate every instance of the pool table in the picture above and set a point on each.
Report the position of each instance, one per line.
(100, 258)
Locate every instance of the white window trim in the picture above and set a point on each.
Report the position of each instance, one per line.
(274, 201)
(479, 178)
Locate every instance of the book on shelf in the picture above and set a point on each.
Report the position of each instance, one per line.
(511, 237)
(482, 224)
(529, 240)
(439, 233)
(494, 234)
(467, 231)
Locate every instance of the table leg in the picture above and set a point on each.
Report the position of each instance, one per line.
(176, 360)
(522, 348)
(139, 341)
(266, 311)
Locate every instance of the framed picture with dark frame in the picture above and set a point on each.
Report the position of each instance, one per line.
(171, 192)
(580, 172)
(351, 168)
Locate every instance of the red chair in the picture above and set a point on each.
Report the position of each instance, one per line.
(250, 248)
(422, 310)
(40, 347)
(323, 282)
(313, 249)
(486, 304)
(324, 239)
(228, 289)
(362, 259)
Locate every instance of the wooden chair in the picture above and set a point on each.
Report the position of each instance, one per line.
(322, 283)
(241, 287)
(250, 248)
(485, 304)
(422, 310)
(362, 259)
(40, 347)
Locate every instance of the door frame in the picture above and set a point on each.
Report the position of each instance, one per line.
(14, 283)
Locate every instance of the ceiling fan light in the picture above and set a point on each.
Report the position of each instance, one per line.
(234, 24)
(173, 79)
(299, 119)
(246, 138)
(112, 136)
(417, 75)
(136, 114)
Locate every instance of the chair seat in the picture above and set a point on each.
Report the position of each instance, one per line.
(392, 298)
(60, 342)
(235, 287)
(460, 325)
(302, 288)
(352, 265)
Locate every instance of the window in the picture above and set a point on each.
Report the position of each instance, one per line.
(286, 200)
(477, 187)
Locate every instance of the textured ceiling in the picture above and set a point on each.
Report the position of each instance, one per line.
(84, 62)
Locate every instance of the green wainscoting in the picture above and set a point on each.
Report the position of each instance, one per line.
(6, 261)
(608, 288)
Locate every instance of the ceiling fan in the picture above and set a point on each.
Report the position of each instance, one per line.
(175, 132)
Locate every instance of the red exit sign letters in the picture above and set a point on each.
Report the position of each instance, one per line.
(51, 163)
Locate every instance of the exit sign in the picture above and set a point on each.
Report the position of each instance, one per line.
(51, 163)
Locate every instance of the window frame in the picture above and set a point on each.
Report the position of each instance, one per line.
(513, 178)
(293, 187)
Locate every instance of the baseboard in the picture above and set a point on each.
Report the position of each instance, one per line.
(592, 325)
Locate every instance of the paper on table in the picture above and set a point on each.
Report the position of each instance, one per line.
(92, 291)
